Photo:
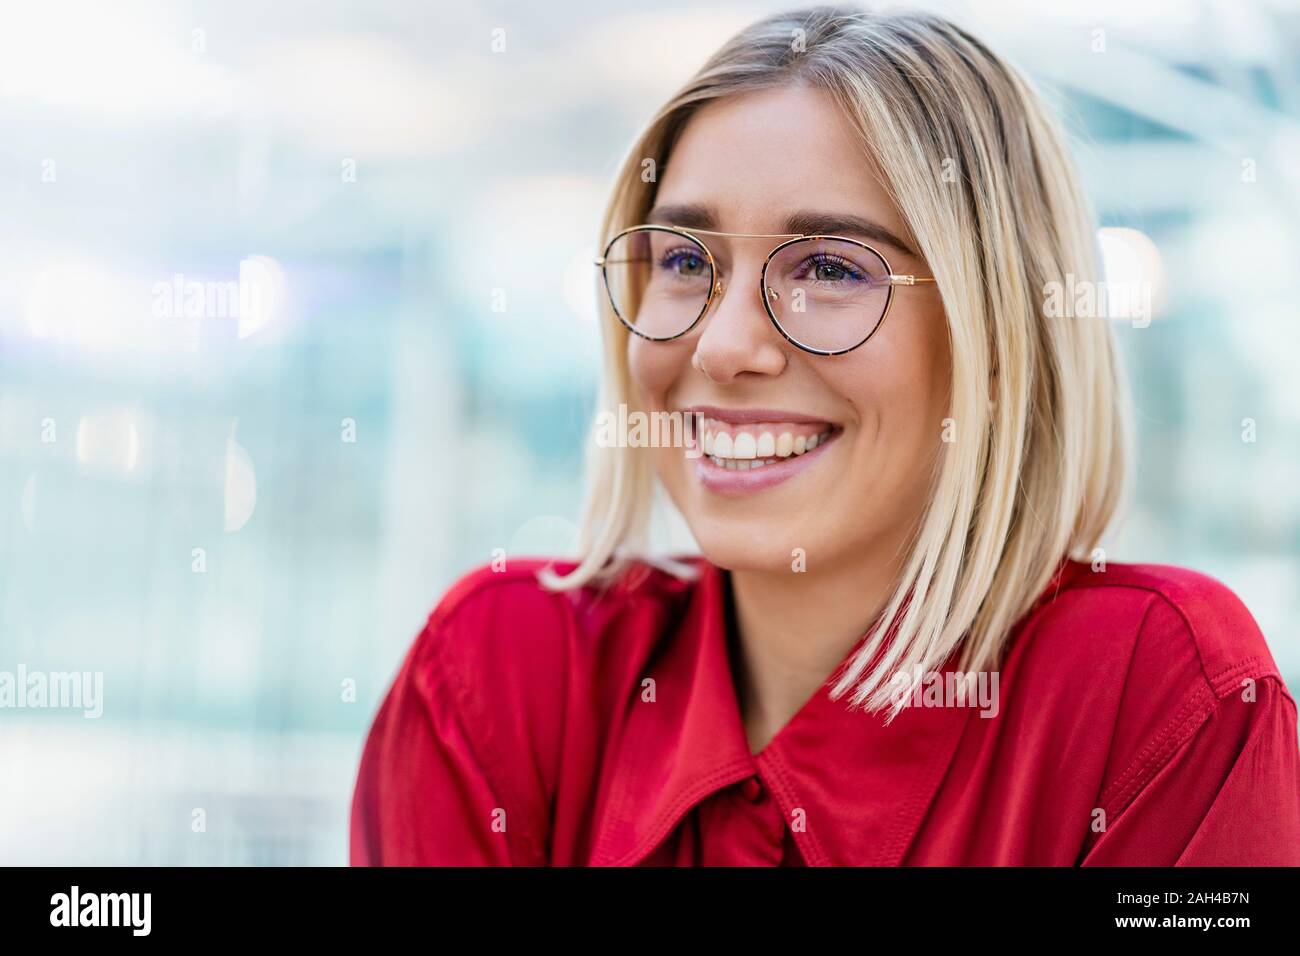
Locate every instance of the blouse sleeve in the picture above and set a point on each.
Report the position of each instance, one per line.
(1230, 796)
(423, 794)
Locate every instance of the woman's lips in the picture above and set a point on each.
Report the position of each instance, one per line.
(738, 459)
(759, 441)
(750, 416)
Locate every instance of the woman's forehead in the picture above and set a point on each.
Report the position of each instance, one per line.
(768, 131)
(758, 158)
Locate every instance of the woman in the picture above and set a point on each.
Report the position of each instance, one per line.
(886, 654)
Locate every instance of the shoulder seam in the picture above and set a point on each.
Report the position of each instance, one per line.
(1168, 746)
(1219, 682)
(1198, 703)
(1165, 743)
(1191, 633)
(1128, 670)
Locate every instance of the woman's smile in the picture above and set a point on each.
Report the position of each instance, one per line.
(739, 451)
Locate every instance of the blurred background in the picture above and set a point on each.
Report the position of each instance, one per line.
(297, 323)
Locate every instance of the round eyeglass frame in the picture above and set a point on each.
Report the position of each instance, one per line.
(716, 285)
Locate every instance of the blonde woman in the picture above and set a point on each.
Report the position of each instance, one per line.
(829, 255)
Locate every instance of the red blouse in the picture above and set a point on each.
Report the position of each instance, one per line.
(1141, 720)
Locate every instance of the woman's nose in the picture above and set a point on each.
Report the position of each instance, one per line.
(737, 335)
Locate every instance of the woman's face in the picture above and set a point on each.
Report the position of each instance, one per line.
(748, 164)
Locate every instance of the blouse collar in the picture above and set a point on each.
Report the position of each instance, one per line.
(863, 786)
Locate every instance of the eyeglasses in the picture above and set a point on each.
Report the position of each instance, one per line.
(825, 294)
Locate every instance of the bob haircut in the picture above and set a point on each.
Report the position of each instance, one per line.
(978, 169)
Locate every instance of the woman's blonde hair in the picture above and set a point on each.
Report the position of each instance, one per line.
(976, 166)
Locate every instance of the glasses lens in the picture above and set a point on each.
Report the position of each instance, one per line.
(827, 294)
(658, 281)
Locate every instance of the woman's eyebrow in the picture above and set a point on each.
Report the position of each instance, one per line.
(802, 223)
(809, 223)
(685, 215)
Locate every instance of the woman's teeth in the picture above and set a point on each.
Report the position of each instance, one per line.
(745, 452)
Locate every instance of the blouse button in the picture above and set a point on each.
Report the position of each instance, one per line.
(752, 788)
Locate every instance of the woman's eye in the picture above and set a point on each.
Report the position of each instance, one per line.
(688, 265)
(825, 269)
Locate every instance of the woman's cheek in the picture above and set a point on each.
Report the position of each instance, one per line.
(654, 367)
(889, 393)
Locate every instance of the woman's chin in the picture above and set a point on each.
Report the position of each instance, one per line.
(762, 545)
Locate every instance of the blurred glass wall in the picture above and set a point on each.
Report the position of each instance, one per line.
(297, 324)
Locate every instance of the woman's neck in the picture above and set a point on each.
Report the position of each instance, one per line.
(793, 629)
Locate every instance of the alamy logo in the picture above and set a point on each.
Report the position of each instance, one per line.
(1086, 299)
(54, 690)
(102, 909)
(247, 301)
(947, 689)
(638, 429)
